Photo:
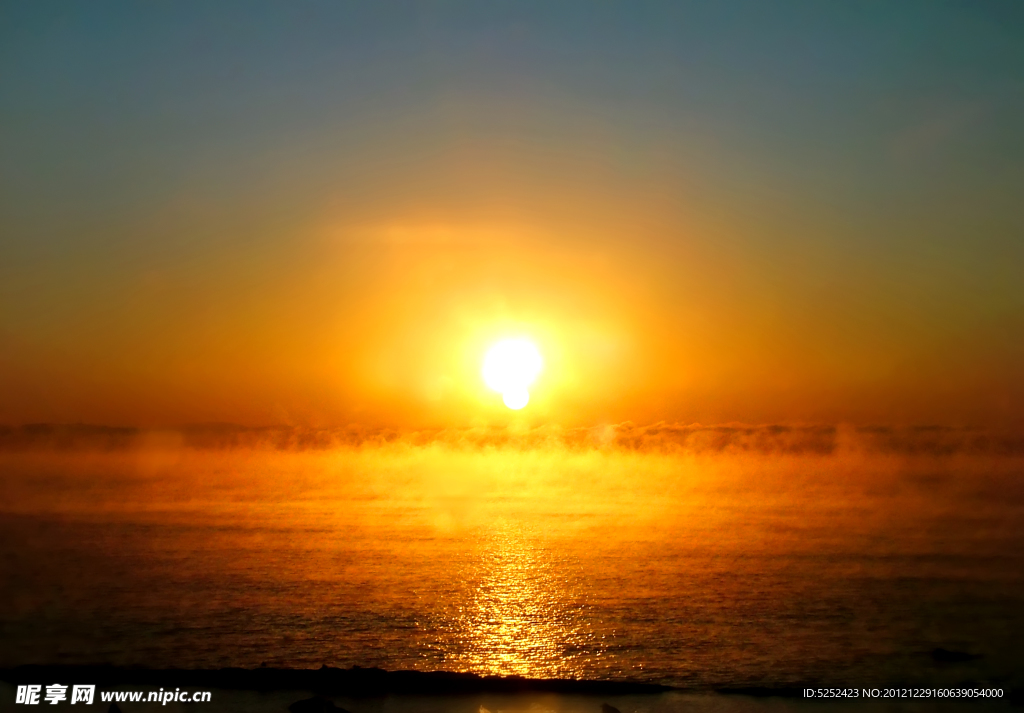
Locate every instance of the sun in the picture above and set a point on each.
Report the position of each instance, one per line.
(511, 366)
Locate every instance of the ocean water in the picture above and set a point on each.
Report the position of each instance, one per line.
(701, 571)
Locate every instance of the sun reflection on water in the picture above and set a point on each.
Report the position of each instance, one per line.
(523, 612)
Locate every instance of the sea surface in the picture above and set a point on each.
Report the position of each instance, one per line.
(703, 571)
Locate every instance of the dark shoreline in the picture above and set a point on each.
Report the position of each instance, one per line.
(354, 682)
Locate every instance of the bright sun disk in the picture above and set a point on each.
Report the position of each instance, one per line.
(510, 367)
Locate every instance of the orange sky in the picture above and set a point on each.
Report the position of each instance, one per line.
(332, 241)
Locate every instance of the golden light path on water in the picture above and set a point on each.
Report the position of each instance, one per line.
(704, 570)
(522, 617)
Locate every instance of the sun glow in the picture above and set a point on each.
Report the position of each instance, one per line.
(510, 367)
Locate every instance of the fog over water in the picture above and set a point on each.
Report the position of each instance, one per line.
(765, 557)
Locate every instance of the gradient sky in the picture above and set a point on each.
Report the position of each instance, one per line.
(322, 213)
